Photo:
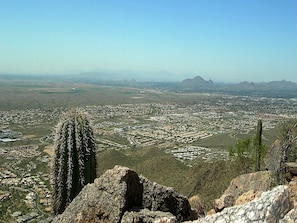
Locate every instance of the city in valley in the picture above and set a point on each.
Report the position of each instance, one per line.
(201, 128)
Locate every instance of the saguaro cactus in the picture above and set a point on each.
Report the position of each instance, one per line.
(74, 163)
(258, 145)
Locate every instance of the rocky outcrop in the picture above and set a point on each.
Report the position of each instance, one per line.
(274, 160)
(270, 207)
(273, 157)
(159, 198)
(106, 200)
(120, 195)
(258, 181)
(226, 200)
(242, 188)
(291, 217)
(248, 197)
(283, 151)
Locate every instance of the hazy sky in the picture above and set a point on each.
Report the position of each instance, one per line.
(225, 40)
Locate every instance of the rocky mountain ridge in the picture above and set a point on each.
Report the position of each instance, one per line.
(198, 81)
(121, 195)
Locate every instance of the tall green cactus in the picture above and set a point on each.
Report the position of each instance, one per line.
(258, 145)
(74, 163)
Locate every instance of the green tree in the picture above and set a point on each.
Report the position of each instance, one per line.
(74, 163)
(242, 155)
(249, 152)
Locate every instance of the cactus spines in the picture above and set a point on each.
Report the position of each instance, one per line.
(74, 163)
(258, 145)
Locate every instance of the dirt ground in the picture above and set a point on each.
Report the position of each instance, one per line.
(49, 150)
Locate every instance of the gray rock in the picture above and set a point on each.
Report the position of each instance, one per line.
(160, 198)
(227, 200)
(274, 157)
(147, 216)
(27, 217)
(107, 199)
(116, 195)
(282, 151)
(16, 214)
(270, 207)
(33, 214)
(292, 168)
(258, 181)
(290, 217)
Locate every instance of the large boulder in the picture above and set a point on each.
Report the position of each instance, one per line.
(160, 198)
(272, 206)
(120, 195)
(274, 157)
(291, 217)
(107, 199)
(258, 181)
(282, 151)
(248, 197)
(240, 186)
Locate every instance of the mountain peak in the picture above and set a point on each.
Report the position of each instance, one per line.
(197, 81)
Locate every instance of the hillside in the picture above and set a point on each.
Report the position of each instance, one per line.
(208, 180)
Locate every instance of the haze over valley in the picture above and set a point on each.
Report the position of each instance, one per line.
(175, 90)
(189, 121)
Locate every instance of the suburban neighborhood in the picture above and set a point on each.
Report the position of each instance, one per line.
(26, 138)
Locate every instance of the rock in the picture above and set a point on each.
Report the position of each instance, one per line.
(292, 168)
(290, 217)
(211, 212)
(272, 206)
(258, 181)
(274, 157)
(248, 197)
(4, 195)
(197, 204)
(106, 200)
(283, 151)
(227, 200)
(293, 190)
(160, 198)
(147, 216)
(16, 214)
(120, 195)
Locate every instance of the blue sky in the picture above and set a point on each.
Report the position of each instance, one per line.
(225, 40)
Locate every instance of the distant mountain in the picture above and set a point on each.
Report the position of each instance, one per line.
(157, 80)
(282, 84)
(267, 89)
(98, 75)
(196, 82)
(141, 76)
(264, 86)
